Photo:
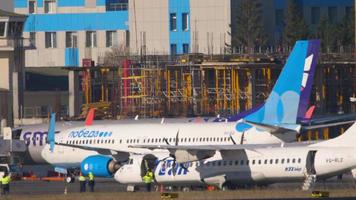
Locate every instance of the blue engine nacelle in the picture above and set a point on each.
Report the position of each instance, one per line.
(100, 166)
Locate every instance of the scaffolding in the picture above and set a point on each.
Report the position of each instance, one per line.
(216, 88)
(193, 85)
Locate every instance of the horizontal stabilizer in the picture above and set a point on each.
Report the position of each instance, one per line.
(274, 129)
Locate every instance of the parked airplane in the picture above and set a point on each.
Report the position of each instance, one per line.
(98, 148)
(245, 164)
(35, 136)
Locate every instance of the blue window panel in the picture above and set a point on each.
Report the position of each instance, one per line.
(179, 36)
(20, 3)
(71, 57)
(40, 3)
(100, 2)
(75, 22)
(70, 3)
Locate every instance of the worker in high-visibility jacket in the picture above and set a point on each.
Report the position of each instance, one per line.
(148, 179)
(82, 182)
(91, 181)
(5, 183)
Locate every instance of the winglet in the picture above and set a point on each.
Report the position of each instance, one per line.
(51, 131)
(310, 112)
(90, 117)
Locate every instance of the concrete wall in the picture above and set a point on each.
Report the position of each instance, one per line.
(7, 5)
(48, 57)
(4, 69)
(149, 18)
(210, 20)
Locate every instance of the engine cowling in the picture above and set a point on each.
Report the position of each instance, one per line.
(100, 166)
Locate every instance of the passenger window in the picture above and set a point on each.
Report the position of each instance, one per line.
(224, 162)
(253, 162)
(219, 163)
(120, 141)
(282, 160)
(236, 162)
(188, 139)
(276, 161)
(225, 139)
(138, 141)
(185, 139)
(228, 139)
(127, 141)
(288, 160)
(299, 160)
(208, 164)
(193, 139)
(201, 139)
(293, 161)
(259, 162)
(156, 140)
(159, 140)
(213, 163)
(271, 161)
(242, 162)
(230, 162)
(247, 162)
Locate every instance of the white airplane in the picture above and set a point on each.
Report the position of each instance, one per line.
(99, 148)
(244, 164)
(35, 136)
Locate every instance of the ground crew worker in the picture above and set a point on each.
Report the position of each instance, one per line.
(91, 181)
(82, 182)
(148, 179)
(5, 183)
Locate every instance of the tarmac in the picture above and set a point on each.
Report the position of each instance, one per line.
(108, 189)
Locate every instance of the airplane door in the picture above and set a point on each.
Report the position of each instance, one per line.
(310, 164)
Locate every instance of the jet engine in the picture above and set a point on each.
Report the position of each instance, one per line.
(100, 166)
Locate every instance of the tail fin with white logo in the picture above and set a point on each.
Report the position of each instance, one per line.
(282, 106)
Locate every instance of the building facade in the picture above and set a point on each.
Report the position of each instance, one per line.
(64, 32)
(11, 67)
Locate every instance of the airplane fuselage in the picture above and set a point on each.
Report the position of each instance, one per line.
(121, 137)
(258, 166)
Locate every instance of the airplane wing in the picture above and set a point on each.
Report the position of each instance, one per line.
(222, 147)
(187, 153)
(328, 121)
(311, 127)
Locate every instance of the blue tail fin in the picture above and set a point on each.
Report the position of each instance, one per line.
(281, 107)
(51, 132)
